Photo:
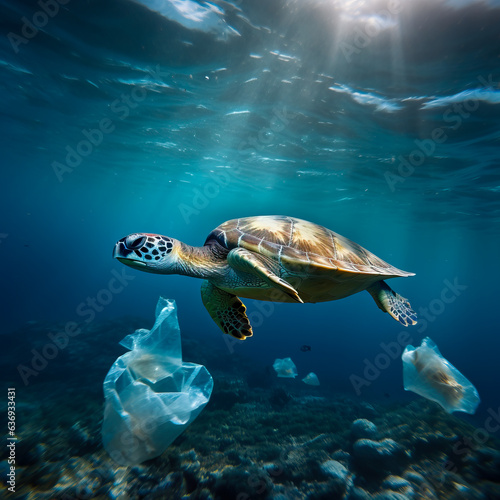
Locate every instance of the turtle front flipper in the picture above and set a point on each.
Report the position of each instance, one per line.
(243, 260)
(389, 301)
(226, 310)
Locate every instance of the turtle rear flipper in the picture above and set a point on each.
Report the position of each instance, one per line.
(389, 301)
(226, 310)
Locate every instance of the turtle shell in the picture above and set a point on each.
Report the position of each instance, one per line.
(301, 247)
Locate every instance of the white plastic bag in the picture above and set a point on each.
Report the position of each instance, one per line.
(311, 379)
(428, 374)
(151, 394)
(285, 368)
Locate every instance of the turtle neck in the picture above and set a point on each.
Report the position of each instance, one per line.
(199, 262)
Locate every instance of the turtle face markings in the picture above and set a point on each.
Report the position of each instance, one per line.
(148, 252)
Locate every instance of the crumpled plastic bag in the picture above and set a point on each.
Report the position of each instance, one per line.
(285, 368)
(311, 379)
(428, 374)
(151, 394)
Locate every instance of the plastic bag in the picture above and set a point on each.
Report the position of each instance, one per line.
(151, 394)
(428, 374)
(285, 368)
(311, 379)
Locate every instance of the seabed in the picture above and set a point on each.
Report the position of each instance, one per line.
(258, 438)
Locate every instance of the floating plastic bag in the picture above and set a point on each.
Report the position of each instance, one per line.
(311, 379)
(285, 368)
(151, 395)
(427, 373)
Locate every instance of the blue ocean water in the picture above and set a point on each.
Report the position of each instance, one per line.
(378, 120)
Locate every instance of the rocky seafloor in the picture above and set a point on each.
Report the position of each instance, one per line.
(258, 438)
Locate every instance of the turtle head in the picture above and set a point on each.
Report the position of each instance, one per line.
(151, 253)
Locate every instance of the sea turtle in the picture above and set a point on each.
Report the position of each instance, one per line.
(273, 258)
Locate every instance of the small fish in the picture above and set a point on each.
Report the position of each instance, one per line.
(305, 348)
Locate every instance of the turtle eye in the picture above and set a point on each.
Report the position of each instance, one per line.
(134, 242)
